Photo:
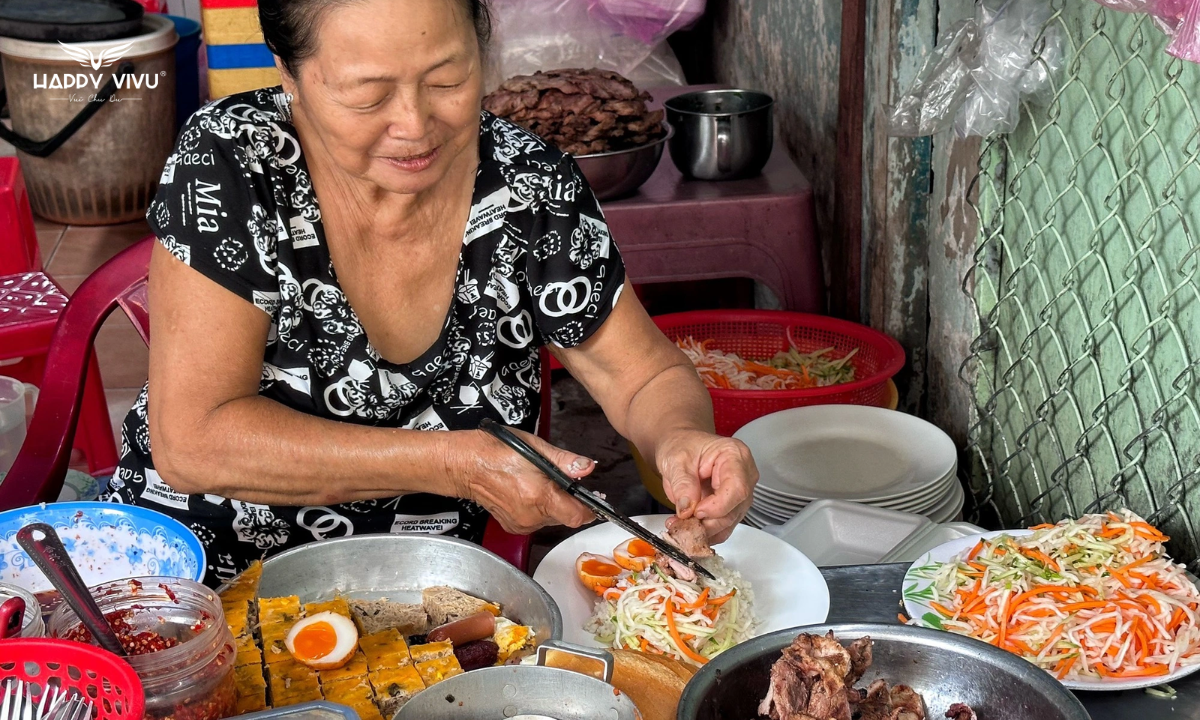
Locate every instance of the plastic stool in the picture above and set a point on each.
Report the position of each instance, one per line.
(19, 252)
(30, 304)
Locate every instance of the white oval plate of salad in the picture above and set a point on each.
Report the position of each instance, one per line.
(788, 589)
(1095, 602)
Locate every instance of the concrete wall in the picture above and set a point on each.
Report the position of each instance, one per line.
(788, 48)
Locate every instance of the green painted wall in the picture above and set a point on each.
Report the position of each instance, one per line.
(1088, 278)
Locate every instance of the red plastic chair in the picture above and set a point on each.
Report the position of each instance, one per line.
(40, 467)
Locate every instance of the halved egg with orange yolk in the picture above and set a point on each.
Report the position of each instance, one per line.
(634, 554)
(325, 641)
(597, 572)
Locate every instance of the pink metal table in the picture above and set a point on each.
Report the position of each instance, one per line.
(760, 228)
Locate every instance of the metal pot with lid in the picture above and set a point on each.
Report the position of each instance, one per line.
(529, 692)
(70, 20)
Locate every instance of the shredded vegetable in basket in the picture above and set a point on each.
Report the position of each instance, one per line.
(650, 611)
(787, 370)
(1084, 599)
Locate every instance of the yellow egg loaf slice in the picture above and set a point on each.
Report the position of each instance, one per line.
(248, 653)
(394, 687)
(251, 689)
(436, 670)
(355, 693)
(293, 683)
(237, 617)
(279, 610)
(338, 606)
(356, 669)
(244, 587)
(274, 641)
(385, 649)
(431, 651)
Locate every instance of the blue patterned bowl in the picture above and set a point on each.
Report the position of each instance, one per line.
(106, 541)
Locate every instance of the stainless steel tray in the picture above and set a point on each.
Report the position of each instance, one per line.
(397, 567)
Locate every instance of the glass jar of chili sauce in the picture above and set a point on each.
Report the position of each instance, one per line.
(174, 633)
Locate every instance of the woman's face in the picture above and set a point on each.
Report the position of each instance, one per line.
(393, 90)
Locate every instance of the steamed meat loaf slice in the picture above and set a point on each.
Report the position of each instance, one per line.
(689, 536)
(445, 604)
(371, 616)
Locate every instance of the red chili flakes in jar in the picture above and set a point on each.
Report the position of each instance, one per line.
(135, 642)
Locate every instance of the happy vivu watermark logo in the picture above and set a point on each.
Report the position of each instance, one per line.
(96, 62)
(87, 58)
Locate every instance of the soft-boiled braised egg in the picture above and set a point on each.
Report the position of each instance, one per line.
(597, 572)
(634, 554)
(324, 641)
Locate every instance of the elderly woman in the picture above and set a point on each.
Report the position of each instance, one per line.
(356, 268)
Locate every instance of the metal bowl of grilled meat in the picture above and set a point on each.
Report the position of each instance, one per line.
(948, 671)
(620, 173)
(397, 567)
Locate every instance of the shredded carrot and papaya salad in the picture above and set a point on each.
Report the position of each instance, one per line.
(788, 370)
(692, 621)
(1084, 599)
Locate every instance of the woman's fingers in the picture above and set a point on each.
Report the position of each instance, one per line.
(682, 485)
(575, 465)
(733, 479)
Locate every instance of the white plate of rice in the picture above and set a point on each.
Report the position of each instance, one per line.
(778, 585)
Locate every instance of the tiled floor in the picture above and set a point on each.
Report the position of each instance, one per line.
(70, 254)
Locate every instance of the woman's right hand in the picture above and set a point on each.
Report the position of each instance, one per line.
(509, 487)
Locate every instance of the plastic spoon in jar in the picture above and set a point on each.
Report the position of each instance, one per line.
(12, 615)
(51, 557)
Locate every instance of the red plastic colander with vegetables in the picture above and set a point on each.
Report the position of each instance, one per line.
(757, 335)
(105, 679)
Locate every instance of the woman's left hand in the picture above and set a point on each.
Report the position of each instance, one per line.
(709, 476)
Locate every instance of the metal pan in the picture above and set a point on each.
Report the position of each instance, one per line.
(943, 667)
(397, 567)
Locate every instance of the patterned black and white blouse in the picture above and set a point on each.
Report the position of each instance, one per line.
(236, 203)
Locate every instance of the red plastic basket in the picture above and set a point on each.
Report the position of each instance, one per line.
(759, 334)
(109, 681)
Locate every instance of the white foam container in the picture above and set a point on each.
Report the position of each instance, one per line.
(838, 532)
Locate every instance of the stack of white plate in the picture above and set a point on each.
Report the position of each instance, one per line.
(862, 454)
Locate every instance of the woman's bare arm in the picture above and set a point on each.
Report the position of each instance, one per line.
(211, 432)
(651, 394)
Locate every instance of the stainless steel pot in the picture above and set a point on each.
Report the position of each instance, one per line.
(526, 692)
(399, 566)
(945, 668)
(613, 175)
(721, 134)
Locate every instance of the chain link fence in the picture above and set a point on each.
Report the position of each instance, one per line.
(1085, 281)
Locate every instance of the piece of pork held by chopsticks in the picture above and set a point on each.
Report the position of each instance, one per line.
(689, 536)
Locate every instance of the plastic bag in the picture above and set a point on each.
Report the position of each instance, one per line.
(1179, 19)
(1186, 44)
(650, 21)
(532, 35)
(941, 86)
(977, 79)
